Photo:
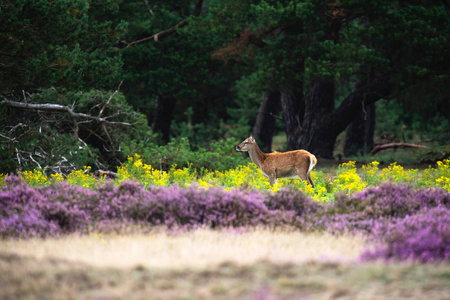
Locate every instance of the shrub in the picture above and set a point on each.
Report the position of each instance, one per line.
(21, 211)
(61, 208)
(396, 173)
(293, 200)
(439, 176)
(34, 178)
(219, 156)
(348, 180)
(424, 237)
(385, 204)
(391, 200)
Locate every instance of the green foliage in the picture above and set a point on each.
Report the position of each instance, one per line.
(218, 68)
(181, 67)
(398, 121)
(219, 156)
(60, 143)
(60, 152)
(59, 43)
(308, 40)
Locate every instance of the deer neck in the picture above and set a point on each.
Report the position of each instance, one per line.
(256, 155)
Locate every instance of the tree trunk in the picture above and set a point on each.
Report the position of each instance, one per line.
(163, 116)
(265, 121)
(291, 112)
(318, 135)
(359, 136)
(322, 125)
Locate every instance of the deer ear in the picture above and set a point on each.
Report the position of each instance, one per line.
(251, 138)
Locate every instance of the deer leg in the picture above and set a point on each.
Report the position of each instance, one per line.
(272, 180)
(309, 179)
(304, 176)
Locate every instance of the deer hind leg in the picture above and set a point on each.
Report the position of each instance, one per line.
(304, 175)
(309, 179)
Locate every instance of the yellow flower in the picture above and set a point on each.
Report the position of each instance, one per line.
(397, 174)
(2, 179)
(348, 180)
(57, 177)
(34, 178)
(137, 163)
(82, 178)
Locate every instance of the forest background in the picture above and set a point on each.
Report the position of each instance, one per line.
(89, 83)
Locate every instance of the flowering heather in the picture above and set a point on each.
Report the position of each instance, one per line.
(62, 208)
(391, 200)
(405, 222)
(348, 179)
(382, 205)
(20, 211)
(424, 237)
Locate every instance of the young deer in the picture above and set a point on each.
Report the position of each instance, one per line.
(279, 165)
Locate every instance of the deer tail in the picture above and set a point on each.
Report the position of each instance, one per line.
(312, 162)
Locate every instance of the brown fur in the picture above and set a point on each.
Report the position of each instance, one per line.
(279, 165)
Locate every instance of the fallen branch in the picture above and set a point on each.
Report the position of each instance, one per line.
(394, 145)
(107, 174)
(58, 107)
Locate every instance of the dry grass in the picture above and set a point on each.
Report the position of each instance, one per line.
(206, 264)
(202, 248)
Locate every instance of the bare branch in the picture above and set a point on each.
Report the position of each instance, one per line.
(394, 145)
(18, 157)
(110, 98)
(148, 7)
(156, 37)
(57, 107)
(15, 139)
(108, 174)
(31, 157)
(7, 138)
(97, 163)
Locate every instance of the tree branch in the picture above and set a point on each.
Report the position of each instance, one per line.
(57, 107)
(156, 37)
(110, 98)
(394, 145)
(160, 35)
(148, 7)
(363, 95)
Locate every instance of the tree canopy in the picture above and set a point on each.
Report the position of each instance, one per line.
(59, 43)
(130, 73)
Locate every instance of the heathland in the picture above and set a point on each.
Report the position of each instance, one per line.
(363, 232)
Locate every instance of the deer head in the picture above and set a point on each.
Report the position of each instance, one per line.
(246, 145)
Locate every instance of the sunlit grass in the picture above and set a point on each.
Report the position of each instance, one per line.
(199, 249)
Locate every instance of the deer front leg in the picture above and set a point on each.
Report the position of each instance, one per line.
(272, 178)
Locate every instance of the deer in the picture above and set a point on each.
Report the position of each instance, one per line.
(280, 165)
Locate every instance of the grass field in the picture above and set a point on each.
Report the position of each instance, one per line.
(209, 264)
